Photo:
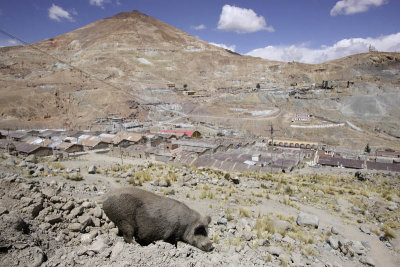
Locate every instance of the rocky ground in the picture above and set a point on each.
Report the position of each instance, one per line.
(51, 215)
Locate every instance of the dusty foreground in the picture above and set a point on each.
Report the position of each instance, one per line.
(51, 215)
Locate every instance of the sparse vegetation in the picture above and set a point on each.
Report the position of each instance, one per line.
(389, 233)
(243, 212)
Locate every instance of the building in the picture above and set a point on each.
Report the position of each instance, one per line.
(301, 117)
(18, 135)
(6, 144)
(91, 144)
(28, 149)
(170, 146)
(180, 133)
(189, 93)
(294, 143)
(125, 139)
(256, 157)
(70, 147)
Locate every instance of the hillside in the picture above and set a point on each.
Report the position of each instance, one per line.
(122, 65)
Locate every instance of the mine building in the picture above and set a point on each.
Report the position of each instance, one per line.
(294, 143)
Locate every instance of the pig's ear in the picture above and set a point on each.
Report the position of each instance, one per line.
(208, 219)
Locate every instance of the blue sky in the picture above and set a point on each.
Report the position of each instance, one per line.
(310, 31)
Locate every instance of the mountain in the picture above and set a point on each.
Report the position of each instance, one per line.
(122, 65)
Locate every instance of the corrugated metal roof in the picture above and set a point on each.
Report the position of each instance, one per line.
(194, 144)
(89, 142)
(34, 140)
(133, 137)
(328, 161)
(65, 146)
(46, 142)
(4, 143)
(18, 134)
(383, 166)
(26, 148)
(179, 132)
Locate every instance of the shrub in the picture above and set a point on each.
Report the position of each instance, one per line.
(76, 177)
(388, 232)
(57, 165)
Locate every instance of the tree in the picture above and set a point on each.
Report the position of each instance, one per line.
(367, 149)
(185, 86)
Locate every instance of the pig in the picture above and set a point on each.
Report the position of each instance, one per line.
(148, 217)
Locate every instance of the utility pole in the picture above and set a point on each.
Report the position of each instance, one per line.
(272, 143)
(122, 160)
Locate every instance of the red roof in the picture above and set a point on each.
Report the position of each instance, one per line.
(179, 132)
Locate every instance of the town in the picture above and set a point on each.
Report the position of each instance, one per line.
(189, 147)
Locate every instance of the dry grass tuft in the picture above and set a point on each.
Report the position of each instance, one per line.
(243, 212)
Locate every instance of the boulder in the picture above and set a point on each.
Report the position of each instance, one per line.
(75, 227)
(281, 225)
(163, 183)
(289, 240)
(247, 235)
(305, 219)
(365, 229)
(44, 226)
(117, 249)
(68, 206)
(3, 210)
(356, 210)
(54, 218)
(86, 239)
(87, 204)
(222, 221)
(392, 207)
(276, 251)
(334, 230)
(22, 164)
(333, 242)
(36, 208)
(31, 159)
(9, 162)
(75, 212)
(92, 169)
(98, 245)
(85, 220)
(367, 261)
(38, 258)
(40, 168)
(277, 237)
(360, 176)
(49, 192)
(97, 212)
(14, 221)
(358, 248)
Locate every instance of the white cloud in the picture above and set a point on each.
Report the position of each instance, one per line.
(100, 3)
(199, 27)
(348, 7)
(345, 47)
(9, 42)
(241, 20)
(57, 13)
(232, 47)
(12, 42)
